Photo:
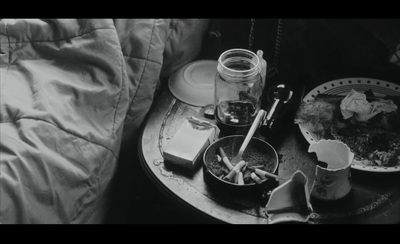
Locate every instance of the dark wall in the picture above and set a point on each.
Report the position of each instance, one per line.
(313, 51)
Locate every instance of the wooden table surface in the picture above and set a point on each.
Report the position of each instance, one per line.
(374, 199)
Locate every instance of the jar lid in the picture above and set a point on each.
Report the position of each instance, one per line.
(194, 82)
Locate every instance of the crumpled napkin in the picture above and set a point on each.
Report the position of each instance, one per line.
(356, 104)
(290, 202)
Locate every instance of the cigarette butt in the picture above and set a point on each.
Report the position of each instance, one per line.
(225, 159)
(240, 180)
(261, 175)
(236, 169)
(227, 163)
(266, 174)
(231, 176)
(245, 167)
(257, 179)
(219, 158)
(257, 166)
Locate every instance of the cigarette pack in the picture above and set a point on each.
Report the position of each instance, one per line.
(189, 143)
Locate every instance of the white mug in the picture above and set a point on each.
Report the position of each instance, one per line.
(334, 181)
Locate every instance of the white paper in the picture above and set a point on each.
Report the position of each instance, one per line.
(356, 104)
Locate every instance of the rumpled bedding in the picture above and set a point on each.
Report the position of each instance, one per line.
(73, 92)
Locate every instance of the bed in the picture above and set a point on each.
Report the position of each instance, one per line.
(73, 92)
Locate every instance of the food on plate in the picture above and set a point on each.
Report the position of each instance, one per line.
(369, 125)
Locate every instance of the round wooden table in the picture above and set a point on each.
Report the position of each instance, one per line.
(375, 197)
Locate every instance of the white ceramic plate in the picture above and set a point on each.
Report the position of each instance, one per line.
(342, 87)
(194, 82)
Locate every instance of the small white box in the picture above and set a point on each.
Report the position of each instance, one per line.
(188, 144)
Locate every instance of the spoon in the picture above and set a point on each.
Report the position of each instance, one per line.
(281, 94)
(260, 115)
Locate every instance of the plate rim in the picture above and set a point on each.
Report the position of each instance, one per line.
(358, 81)
(179, 74)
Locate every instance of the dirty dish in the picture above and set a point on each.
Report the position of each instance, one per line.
(342, 87)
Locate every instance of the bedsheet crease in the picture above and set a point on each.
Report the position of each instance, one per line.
(72, 91)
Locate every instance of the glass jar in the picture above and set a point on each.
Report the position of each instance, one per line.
(238, 90)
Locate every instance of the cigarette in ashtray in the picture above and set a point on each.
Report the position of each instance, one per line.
(225, 158)
(264, 174)
(239, 179)
(239, 176)
(235, 170)
(257, 179)
(244, 167)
